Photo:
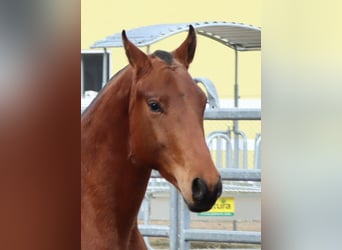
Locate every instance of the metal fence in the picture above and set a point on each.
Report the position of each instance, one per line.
(179, 232)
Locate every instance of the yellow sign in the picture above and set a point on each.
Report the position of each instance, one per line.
(224, 206)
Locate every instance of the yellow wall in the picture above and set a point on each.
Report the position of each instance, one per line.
(101, 18)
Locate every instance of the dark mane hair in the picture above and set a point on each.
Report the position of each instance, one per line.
(165, 56)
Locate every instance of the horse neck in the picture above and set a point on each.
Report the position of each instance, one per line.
(112, 186)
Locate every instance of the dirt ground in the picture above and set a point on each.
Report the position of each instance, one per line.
(163, 243)
(228, 225)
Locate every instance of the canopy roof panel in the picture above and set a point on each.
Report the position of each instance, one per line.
(237, 36)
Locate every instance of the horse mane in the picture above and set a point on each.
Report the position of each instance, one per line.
(164, 55)
(104, 88)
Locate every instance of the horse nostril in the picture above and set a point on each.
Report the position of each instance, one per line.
(218, 188)
(199, 189)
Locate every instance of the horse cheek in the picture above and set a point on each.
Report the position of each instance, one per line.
(142, 141)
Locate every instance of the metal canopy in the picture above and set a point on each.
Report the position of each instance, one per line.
(238, 36)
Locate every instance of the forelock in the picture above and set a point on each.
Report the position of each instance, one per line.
(165, 56)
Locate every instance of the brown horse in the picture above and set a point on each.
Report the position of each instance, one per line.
(149, 116)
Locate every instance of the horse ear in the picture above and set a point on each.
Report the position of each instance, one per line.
(186, 51)
(137, 59)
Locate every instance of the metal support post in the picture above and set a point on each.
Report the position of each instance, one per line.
(235, 122)
(104, 67)
(174, 220)
(184, 224)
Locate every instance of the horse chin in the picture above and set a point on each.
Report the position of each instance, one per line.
(199, 207)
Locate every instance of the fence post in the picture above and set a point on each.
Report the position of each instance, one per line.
(184, 223)
(174, 219)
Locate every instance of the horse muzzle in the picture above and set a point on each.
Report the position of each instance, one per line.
(204, 198)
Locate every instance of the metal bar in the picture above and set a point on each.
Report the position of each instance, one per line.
(154, 230)
(244, 149)
(228, 174)
(233, 114)
(146, 206)
(173, 230)
(236, 144)
(236, 122)
(219, 136)
(236, 84)
(184, 223)
(229, 151)
(213, 98)
(240, 174)
(223, 236)
(104, 67)
(257, 149)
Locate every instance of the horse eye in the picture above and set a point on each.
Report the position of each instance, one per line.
(155, 107)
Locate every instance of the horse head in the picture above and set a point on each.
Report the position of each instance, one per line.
(166, 130)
